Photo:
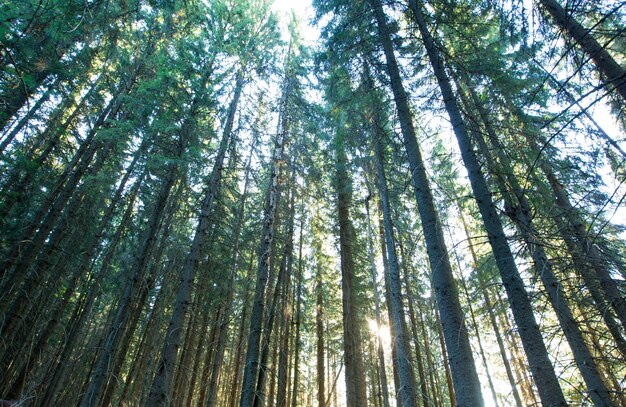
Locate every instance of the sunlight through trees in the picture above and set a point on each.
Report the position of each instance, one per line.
(351, 203)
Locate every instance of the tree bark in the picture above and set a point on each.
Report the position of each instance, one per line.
(133, 286)
(379, 343)
(297, 345)
(352, 340)
(251, 369)
(401, 338)
(461, 360)
(518, 209)
(161, 391)
(492, 317)
(541, 366)
(611, 71)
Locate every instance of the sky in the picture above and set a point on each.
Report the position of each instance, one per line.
(304, 10)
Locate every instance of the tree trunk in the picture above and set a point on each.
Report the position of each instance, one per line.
(161, 391)
(240, 339)
(541, 366)
(133, 286)
(230, 291)
(297, 345)
(401, 337)
(492, 317)
(611, 71)
(461, 360)
(319, 329)
(518, 209)
(379, 343)
(352, 341)
(394, 354)
(251, 369)
(282, 381)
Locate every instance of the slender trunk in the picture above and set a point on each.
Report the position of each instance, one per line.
(260, 398)
(281, 394)
(432, 369)
(444, 354)
(33, 238)
(240, 339)
(161, 392)
(17, 128)
(591, 255)
(418, 347)
(394, 354)
(18, 324)
(251, 369)
(481, 348)
(518, 209)
(355, 372)
(520, 363)
(611, 71)
(210, 354)
(520, 214)
(79, 321)
(270, 399)
(543, 370)
(379, 343)
(461, 360)
(401, 337)
(126, 303)
(319, 326)
(297, 345)
(55, 318)
(492, 316)
(230, 291)
(148, 345)
(586, 257)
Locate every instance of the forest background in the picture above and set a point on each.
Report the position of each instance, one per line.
(362, 203)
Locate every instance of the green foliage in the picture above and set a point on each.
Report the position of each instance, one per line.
(89, 88)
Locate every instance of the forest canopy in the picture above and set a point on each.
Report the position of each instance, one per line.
(221, 203)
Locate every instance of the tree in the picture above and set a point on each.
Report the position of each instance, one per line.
(464, 372)
(201, 207)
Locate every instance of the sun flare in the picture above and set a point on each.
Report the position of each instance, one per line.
(382, 331)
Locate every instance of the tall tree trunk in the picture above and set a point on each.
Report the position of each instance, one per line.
(401, 337)
(446, 364)
(240, 340)
(477, 334)
(379, 343)
(86, 302)
(133, 286)
(267, 343)
(455, 331)
(33, 238)
(297, 345)
(541, 366)
(387, 291)
(55, 317)
(611, 71)
(17, 128)
(283, 343)
(492, 317)
(161, 391)
(251, 369)
(591, 259)
(230, 291)
(352, 342)
(319, 329)
(518, 209)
